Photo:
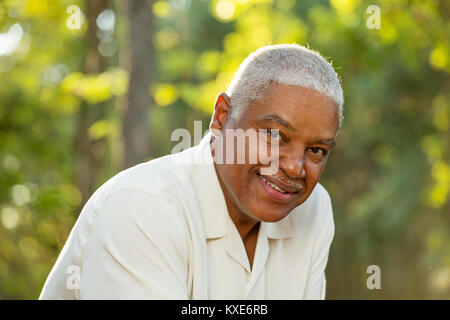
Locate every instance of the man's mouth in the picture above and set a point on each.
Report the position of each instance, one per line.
(273, 185)
(278, 190)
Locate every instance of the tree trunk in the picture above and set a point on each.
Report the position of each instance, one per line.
(89, 153)
(136, 121)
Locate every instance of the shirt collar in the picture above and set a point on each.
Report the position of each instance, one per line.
(212, 202)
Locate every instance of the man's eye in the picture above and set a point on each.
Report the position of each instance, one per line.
(274, 134)
(319, 151)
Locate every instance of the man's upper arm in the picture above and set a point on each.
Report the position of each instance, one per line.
(316, 280)
(137, 250)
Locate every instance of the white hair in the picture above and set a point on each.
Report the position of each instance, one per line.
(288, 64)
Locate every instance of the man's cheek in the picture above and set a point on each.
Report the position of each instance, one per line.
(253, 153)
(268, 155)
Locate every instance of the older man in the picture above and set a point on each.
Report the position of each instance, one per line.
(208, 229)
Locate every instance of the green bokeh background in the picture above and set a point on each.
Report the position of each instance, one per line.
(389, 176)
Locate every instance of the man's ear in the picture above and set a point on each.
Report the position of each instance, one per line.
(222, 112)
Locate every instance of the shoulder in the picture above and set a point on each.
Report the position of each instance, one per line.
(130, 215)
(160, 179)
(141, 197)
(154, 177)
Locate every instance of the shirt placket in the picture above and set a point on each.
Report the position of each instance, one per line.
(236, 250)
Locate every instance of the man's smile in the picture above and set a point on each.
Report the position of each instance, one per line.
(277, 190)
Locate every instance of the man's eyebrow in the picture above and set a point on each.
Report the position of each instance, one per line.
(274, 117)
(330, 142)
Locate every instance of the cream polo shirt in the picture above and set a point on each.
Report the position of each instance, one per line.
(161, 230)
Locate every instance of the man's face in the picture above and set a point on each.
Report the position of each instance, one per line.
(307, 124)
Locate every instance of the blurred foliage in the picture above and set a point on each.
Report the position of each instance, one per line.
(389, 176)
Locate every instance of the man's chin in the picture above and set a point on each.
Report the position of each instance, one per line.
(266, 215)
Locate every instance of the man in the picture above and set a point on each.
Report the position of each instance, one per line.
(212, 229)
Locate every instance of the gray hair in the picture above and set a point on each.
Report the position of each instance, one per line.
(288, 64)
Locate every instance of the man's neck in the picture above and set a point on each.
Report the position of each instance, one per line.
(245, 224)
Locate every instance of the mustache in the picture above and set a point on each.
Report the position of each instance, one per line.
(292, 183)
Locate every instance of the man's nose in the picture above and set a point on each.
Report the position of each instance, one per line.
(293, 165)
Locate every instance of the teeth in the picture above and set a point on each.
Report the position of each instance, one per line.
(273, 186)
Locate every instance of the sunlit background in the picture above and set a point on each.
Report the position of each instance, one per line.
(74, 112)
